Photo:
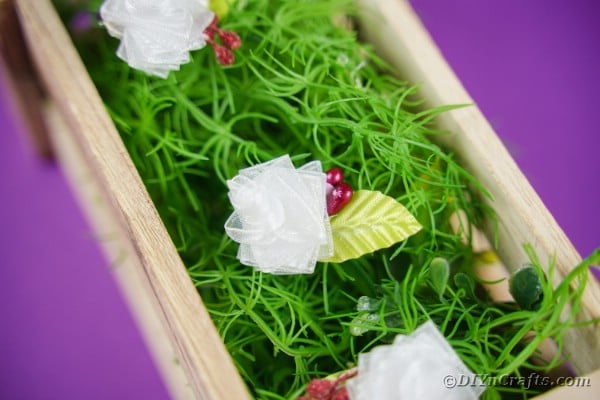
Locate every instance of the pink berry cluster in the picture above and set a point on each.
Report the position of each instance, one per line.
(229, 42)
(339, 192)
(328, 389)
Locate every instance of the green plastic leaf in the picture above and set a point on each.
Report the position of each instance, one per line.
(464, 281)
(369, 222)
(439, 272)
(525, 286)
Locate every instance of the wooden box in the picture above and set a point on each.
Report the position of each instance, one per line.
(175, 324)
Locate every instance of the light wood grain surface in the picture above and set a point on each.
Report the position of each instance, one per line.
(124, 263)
(177, 326)
(23, 86)
(580, 388)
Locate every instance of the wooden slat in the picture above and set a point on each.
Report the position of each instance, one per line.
(398, 35)
(123, 261)
(580, 388)
(178, 329)
(22, 84)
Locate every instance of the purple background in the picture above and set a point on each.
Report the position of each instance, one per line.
(532, 66)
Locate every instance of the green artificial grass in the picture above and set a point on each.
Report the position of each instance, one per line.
(303, 85)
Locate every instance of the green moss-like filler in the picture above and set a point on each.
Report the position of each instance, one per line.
(303, 85)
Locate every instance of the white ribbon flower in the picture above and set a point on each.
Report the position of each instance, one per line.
(280, 217)
(420, 366)
(157, 35)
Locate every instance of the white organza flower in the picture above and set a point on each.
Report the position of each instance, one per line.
(280, 217)
(420, 366)
(157, 35)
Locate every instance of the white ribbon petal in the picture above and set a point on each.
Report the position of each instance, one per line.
(280, 217)
(156, 35)
(420, 366)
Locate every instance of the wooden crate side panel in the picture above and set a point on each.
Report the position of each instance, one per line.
(117, 246)
(580, 388)
(173, 306)
(23, 86)
(399, 37)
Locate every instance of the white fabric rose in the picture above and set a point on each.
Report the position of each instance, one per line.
(420, 366)
(157, 35)
(280, 217)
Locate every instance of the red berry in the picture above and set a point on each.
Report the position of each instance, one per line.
(340, 394)
(230, 40)
(335, 176)
(320, 388)
(224, 56)
(338, 198)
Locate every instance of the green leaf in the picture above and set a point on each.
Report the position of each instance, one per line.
(525, 286)
(369, 222)
(439, 273)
